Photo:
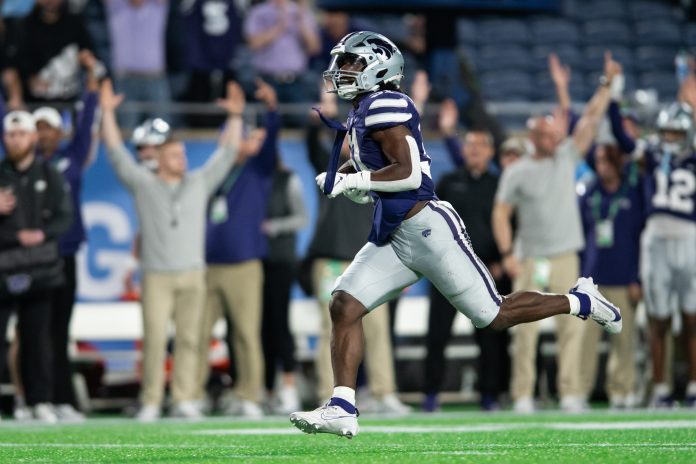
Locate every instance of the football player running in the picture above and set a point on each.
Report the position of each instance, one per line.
(413, 235)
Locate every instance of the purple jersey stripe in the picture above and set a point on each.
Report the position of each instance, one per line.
(457, 236)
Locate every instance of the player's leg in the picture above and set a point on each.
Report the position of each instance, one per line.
(446, 251)
(375, 276)
(686, 290)
(656, 275)
(347, 337)
(689, 321)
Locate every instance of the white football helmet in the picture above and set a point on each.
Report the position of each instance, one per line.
(676, 117)
(381, 61)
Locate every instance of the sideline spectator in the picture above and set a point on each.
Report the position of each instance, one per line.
(213, 32)
(31, 220)
(340, 232)
(612, 217)
(171, 208)
(72, 161)
(286, 215)
(235, 246)
(137, 30)
(541, 190)
(46, 60)
(668, 254)
(146, 138)
(283, 35)
(471, 190)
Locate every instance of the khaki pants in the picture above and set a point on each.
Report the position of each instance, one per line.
(237, 290)
(379, 361)
(569, 332)
(180, 295)
(621, 366)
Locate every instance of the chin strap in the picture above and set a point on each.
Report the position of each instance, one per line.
(332, 168)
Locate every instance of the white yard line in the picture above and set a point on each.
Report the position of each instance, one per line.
(477, 428)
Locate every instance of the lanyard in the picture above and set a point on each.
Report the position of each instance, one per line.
(615, 204)
(231, 179)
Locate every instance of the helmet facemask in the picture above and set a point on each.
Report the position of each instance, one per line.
(344, 82)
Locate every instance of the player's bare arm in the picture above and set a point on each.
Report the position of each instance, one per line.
(395, 145)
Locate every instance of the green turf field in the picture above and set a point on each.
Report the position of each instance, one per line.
(450, 437)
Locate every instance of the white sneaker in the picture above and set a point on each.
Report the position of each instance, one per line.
(23, 413)
(66, 413)
(148, 413)
(244, 408)
(187, 410)
(601, 310)
(43, 412)
(288, 400)
(524, 405)
(390, 404)
(573, 404)
(327, 419)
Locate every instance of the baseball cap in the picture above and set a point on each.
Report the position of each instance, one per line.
(49, 115)
(19, 120)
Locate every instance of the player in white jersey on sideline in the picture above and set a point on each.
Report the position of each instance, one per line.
(414, 234)
(668, 243)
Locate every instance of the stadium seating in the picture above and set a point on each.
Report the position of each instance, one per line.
(502, 31)
(600, 9)
(503, 57)
(658, 32)
(510, 85)
(663, 82)
(555, 31)
(653, 58)
(602, 31)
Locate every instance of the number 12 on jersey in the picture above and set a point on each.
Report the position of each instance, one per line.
(675, 192)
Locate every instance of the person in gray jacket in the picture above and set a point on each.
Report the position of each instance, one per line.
(171, 207)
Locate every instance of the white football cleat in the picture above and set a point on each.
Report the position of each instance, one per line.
(601, 310)
(327, 419)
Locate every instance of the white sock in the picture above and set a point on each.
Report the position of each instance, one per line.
(345, 393)
(691, 388)
(574, 304)
(661, 389)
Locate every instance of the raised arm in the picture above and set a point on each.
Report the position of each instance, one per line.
(625, 142)
(267, 158)
(81, 144)
(586, 130)
(447, 121)
(217, 167)
(123, 163)
(420, 90)
(560, 75)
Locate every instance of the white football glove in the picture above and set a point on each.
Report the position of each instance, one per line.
(360, 197)
(342, 182)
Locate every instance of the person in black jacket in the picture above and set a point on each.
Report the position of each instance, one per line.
(35, 209)
(471, 191)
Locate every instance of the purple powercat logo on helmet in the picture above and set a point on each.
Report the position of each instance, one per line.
(381, 48)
